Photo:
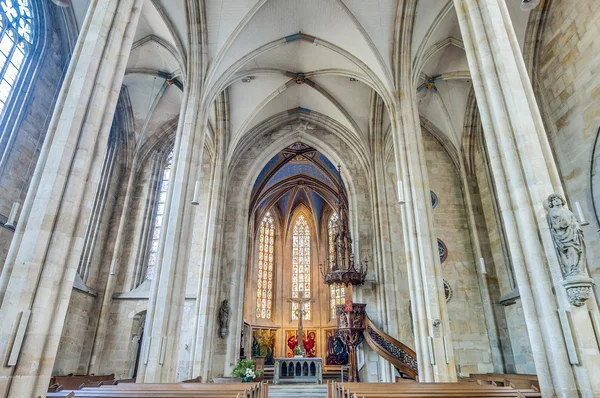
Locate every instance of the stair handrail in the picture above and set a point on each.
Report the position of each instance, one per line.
(395, 352)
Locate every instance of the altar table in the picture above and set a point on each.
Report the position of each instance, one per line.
(298, 370)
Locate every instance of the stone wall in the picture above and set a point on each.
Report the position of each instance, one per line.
(569, 84)
(467, 319)
(74, 334)
(514, 339)
(16, 174)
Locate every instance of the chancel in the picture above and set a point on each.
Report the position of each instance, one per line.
(304, 198)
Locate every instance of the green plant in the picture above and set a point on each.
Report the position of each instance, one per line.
(243, 365)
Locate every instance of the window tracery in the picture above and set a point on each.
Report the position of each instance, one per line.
(336, 291)
(301, 265)
(16, 38)
(264, 290)
(158, 217)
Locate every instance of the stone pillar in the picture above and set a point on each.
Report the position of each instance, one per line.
(387, 311)
(433, 341)
(525, 174)
(167, 296)
(37, 279)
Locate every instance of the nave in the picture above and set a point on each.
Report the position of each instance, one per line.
(201, 196)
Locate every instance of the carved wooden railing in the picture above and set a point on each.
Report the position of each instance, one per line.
(398, 354)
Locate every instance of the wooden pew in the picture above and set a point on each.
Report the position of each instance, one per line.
(75, 382)
(510, 380)
(430, 390)
(174, 390)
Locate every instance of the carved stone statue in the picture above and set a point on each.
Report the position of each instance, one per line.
(224, 319)
(567, 236)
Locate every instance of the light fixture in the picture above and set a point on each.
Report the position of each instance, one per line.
(528, 5)
(196, 197)
(353, 79)
(62, 3)
(12, 217)
(580, 215)
(247, 79)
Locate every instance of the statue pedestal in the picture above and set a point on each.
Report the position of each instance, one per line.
(579, 289)
(298, 370)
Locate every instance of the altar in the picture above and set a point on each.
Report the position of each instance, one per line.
(298, 370)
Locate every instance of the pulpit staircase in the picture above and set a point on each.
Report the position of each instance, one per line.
(401, 356)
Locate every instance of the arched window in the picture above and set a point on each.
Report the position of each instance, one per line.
(301, 265)
(336, 291)
(264, 290)
(16, 38)
(158, 217)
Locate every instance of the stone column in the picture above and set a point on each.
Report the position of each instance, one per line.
(37, 279)
(387, 311)
(430, 316)
(167, 296)
(206, 310)
(433, 341)
(525, 174)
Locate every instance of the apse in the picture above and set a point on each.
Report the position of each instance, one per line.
(293, 208)
(298, 175)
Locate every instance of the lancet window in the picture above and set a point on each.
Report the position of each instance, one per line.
(158, 217)
(301, 265)
(336, 291)
(264, 290)
(16, 38)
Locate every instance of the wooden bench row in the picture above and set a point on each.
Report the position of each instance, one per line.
(174, 390)
(425, 390)
(518, 381)
(75, 382)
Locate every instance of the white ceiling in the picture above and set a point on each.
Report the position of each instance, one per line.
(354, 38)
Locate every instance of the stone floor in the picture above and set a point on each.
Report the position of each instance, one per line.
(298, 390)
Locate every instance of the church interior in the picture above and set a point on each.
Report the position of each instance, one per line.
(378, 197)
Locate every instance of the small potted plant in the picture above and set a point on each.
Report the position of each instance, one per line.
(298, 352)
(246, 371)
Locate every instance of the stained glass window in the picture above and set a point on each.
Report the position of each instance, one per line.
(336, 291)
(158, 217)
(301, 265)
(264, 290)
(16, 37)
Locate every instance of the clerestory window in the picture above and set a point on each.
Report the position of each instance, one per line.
(16, 39)
(158, 217)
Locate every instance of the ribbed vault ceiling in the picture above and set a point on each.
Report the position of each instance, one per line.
(345, 52)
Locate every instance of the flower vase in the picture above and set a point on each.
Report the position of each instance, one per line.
(246, 379)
